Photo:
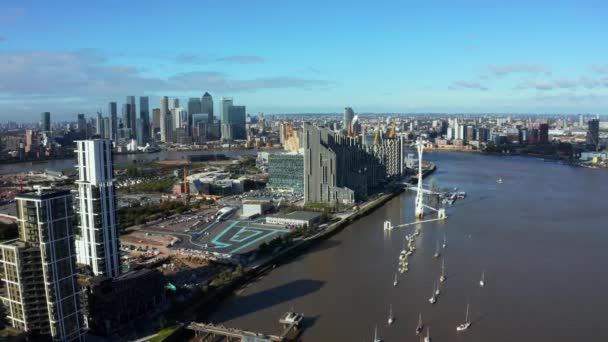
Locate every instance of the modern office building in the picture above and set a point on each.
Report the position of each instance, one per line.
(194, 107)
(593, 133)
(45, 122)
(225, 104)
(236, 123)
(107, 130)
(38, 270)
(82, 124)
(126, 117)
(286, 172)
(113, 114)
(349, 114)
(174, 103)
(164, 112)
(144, 115)
(132, 113)
(543, 133)
(199, 123)
(98, 244)
(207, 105)
(99, 125)
(338, 169)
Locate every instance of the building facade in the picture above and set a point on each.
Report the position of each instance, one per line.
(97, 245)
(38, 270)
(286, 172)
(207, 105)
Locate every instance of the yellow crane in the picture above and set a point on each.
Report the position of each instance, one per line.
(391, 135)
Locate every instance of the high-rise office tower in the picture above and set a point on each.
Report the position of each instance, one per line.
(38, 270)
(107, 134)
(144, 115)
(126, 121)
(543, 133)
(140, 132)
(199, 127)
(349, 114)
(593, 133)
(132, 113)
(155, 127)
(207, 106)
(45, 122)
(235, 128)
(97, 245)
(174, 103)
(113, 114)
(194, 107)
(99, 125)
(164, 112)
(225, 103)
(82, 124)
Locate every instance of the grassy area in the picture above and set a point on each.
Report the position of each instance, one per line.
(163, 334)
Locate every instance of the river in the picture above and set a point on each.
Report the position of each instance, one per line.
(120, 159)
(540, 236)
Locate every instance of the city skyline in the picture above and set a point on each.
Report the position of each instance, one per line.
(468, 56)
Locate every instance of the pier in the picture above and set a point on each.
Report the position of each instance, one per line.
(207, 332)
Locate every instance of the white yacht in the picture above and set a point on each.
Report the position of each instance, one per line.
(376, 338)
(391, 318)
(420, 325)
(427, 338)
(395, 282)
(482, 281)
(437, 252)
(464, 326)
(437, 291)
(445, 241)
(499, 180)
(442, 277)
(433, 298)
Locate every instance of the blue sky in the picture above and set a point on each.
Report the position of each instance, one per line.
(284, 56)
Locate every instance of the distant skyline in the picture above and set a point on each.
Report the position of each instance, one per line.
(461, 56)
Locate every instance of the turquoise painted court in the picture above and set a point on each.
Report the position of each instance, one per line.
(236, 236)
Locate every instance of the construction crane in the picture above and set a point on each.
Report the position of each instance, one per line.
(391, 135)
(186, 184)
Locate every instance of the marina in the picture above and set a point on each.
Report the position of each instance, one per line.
(517, 254)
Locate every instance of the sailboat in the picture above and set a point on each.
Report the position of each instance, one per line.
(376, 338)
(433, 298)
(428, 335)
(395, 282)
(464, 326)
(482, 282)
(445, 241)
(420, 324)
(437, 253)
(391, 318)
(442, 277)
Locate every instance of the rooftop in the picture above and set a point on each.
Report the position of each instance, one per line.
(299, 215)
(42, 194)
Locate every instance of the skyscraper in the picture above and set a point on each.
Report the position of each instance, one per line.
(144, 115)
(82, 124)
(45, 122)
(107, 130)
(543, 133)
(207, 106)
(174, 103)
(38, 270)
(194, 107)
(236, 121)
(225, 103)
(97, 245)
(132, 113)
(155, 122)
(593, 133)
(164, 112)
(99, 125)
(349, 114)
(112, 113)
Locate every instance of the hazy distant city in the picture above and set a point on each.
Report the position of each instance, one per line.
(285, 171)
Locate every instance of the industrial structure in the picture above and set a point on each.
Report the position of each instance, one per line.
(38, 270)
(97, 245)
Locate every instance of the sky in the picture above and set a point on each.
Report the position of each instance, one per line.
(305, 56)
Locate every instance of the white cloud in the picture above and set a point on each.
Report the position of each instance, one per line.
(468, 85)
(499, 70)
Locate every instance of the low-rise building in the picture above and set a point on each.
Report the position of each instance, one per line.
(296, 219)
(256, 207)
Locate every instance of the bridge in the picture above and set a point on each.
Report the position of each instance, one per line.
(207, 332)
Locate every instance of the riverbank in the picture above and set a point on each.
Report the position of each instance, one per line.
(200, 311)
